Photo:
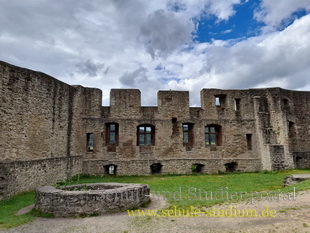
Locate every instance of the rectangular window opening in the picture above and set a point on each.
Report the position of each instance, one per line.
(217, 101)
(220, 100)
(90, 142)
(112, 134)
(188, 137)
(213, 136)
(249, 141)
(237, 104)
(146, 135)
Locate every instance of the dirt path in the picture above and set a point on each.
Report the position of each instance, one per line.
(290, 216)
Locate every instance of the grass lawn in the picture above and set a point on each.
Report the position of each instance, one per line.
(171, 186)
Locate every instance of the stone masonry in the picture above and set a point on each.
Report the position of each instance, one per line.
(90, 199)
(51, 131)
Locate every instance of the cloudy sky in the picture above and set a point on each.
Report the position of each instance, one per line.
(161, 44)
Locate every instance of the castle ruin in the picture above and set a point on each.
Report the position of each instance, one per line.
(51, 131)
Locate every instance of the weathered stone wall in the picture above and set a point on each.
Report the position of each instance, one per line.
(20, 176)
(41, 118)
(98, 198)
(169, 166)
(296, 108)
(173, 110)
(261, 117)
(35, 115)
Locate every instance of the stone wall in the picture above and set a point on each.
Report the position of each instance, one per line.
(42, 118)
(238, 130)
(168, 166)
(21, 176)
(97, 198)
(42, 128)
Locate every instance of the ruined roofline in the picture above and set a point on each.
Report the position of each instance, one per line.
(29, 71)
(42, 75)
(209, 97)
(256, 89)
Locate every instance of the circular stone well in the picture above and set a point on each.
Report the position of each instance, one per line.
(90, 199)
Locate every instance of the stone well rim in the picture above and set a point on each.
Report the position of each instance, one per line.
(119, 187)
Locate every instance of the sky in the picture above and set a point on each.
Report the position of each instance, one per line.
(161, 44)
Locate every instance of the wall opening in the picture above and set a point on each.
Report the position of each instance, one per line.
(156, 168)
(231, 167)
(249, 141)
(291, 129)
(286, 105)
(220, 100)
(213, 135)
(110, 169)
(197, 167)
(188, 135)
(237, 104)
(298, 161)
(175, 128)
(111, 136)
(112, 133)
(146, 135)
(89, 142)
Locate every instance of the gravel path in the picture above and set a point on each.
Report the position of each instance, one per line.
(291, 216)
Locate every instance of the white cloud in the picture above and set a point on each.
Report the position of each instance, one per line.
(273, 13)
(107, 44)
(164, 32)
(277, 59)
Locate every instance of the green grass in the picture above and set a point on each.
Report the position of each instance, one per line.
(238, 182)
(235, 182)
(11, 206)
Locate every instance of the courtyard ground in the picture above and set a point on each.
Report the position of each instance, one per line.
(290, 216)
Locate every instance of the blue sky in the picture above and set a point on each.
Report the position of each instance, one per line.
(239, 26)
(161, 44)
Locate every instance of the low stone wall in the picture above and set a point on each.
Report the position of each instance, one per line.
(89, 199)
(21, 176)
(169, 166)
(294, 179)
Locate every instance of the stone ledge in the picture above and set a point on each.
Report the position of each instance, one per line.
(296, 178)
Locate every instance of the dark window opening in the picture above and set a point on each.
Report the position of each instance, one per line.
(112, 134)
(220, 100)
(156, 168)
(188, 136)
(213, 135)
(197, 168)
(90, 142)
(174, 120)
(231, 167)
(286, 105)
(249, 141)
(146, 135)
(237, 104)
(291, 129)
(110, 169)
